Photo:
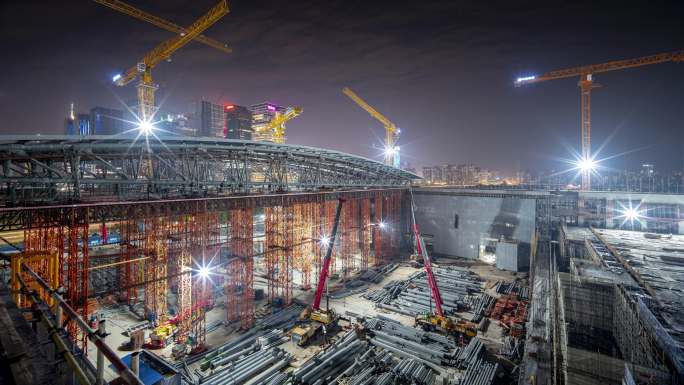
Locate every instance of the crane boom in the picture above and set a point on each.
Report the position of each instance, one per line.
(586, 84)
(372, 111)
(325, 269)
(130, 10)
(675, 56)
(427, 263)
(277, 124)
(391, 131)
(165, 49)
(146, 87)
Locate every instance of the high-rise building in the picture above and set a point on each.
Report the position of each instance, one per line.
(83, 124)
(176, 124)
(262, 114)
(211, 119)
(106, 121)
(427, 174)
(70, 122)
(647, 169)
(238, 122)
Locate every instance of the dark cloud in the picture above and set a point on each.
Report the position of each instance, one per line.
(441, 70)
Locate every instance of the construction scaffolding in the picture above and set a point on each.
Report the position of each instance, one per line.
(239, 281)
(186, 249)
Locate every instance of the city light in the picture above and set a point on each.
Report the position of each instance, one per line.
(270, 107)
(229, 106)
(382, 225)
(525, 79)
(116, 77)
(390, 150)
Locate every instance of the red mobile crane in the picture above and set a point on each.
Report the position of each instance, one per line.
(437, 320)
(319, 318)
(326, 316)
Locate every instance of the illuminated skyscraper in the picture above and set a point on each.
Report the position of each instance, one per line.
(211, 119)
(238, 122)
(262, 114)
(106, 121)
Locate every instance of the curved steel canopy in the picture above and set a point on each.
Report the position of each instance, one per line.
(50, 168)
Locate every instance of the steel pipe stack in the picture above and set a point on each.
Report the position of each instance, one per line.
(248, 367)
(473, 351)
(413, 296)
(281, 319)
(479, 372)
(331, 361)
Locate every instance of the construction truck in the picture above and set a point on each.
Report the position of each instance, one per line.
(446, 325)
(301, 335)
(162, 336)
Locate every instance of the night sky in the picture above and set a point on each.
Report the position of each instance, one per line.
(443, 71)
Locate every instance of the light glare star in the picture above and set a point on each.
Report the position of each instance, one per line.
(204, 272)
(630, 213)
(325, 240)
(586, 164)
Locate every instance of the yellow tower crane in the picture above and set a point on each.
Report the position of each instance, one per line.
(277, 124)
(161, 23)
(586, 84)
(146, 87)
(391, 130)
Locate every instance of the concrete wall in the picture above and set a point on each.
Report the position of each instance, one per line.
(480, 216)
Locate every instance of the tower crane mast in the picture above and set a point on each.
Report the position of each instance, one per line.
(586, 84)
(391, 130)
(163, 51)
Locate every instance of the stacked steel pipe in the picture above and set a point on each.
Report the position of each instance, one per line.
(282, 318)
(412, 296)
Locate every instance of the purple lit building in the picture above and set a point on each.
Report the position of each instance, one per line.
(262, 114)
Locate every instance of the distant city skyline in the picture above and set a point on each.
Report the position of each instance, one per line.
(451, 91)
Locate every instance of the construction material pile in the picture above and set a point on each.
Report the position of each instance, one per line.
(474, 360)
(429, 348)
(284, 317)
(480, 306)
(511, 314)
(378, 367)
(245, 359)
(353, 361)
(459, 290)
(511, 348)
(517, 288)
(360, 283)
(329, 363)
